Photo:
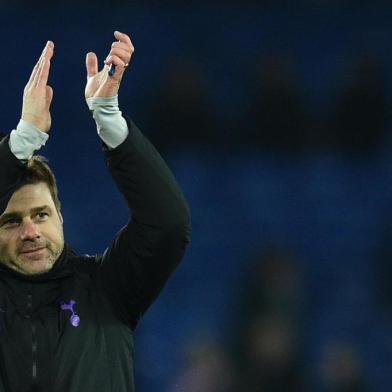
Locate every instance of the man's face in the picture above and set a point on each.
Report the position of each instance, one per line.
(31, 231)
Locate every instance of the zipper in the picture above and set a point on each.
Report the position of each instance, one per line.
(33, 338)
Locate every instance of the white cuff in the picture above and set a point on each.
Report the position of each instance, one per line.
(111, 125)
(26, 139)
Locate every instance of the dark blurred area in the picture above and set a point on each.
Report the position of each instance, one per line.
(275, 118)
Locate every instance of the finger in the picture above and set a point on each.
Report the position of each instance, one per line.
(123, 38)
(43, 74)
(33, 73)
(124, 55)
(49, 95)
(34, 82)
(122, 45)
(119, 63)
(116, 60)
(91, 64)
(48, 49)
(121, 49)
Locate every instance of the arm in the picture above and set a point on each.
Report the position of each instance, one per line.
(31, 132)
(139, 261)
(144, 253)
(10, 174)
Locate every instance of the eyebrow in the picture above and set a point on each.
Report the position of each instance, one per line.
(18, 215)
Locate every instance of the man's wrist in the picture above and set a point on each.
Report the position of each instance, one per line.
(97, 102)
(26, 139)
(111, 125)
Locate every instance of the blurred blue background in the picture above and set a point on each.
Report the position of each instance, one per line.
(275, 119)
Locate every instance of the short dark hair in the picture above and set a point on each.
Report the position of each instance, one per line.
(38, 170)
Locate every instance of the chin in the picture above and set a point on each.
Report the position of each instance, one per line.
(35, 267)
(35, 271)
(37, 262)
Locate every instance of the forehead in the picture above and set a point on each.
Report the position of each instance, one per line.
(30, 196)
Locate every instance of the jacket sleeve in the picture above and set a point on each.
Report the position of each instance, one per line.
(144, 253)
(11, 173)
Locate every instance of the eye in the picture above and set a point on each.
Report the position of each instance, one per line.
(12, 222)
(42, 215)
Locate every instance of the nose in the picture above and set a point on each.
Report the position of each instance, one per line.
(29, 231)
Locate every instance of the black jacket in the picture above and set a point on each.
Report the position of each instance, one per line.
(70, 330)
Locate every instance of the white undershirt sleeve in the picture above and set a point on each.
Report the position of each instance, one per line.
(111, 125)
(26, 139)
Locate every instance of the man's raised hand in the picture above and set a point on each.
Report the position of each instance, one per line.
(37, 95)
(100, 84)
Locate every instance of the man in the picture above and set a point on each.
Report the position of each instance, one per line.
(66, 321)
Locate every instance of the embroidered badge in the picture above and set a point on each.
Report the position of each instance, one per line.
(74, 318)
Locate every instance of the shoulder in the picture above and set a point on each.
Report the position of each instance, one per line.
(85, 264)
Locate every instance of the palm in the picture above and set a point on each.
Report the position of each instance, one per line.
(95, 86)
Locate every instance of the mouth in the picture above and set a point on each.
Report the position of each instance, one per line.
(32, 251)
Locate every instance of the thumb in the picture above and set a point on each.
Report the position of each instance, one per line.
(91, 64)
(49, 95)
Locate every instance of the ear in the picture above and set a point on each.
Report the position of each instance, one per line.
(61, 217)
